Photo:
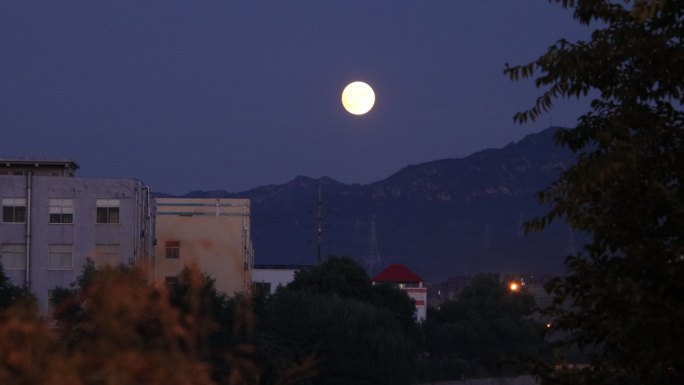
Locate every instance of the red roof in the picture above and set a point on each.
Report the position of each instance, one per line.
(397, 273)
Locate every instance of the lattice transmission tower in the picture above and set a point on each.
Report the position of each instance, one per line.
(373, 258)
(319, 230)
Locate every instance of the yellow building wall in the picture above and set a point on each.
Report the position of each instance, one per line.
(212, 233)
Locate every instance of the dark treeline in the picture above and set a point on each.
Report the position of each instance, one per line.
(330, 326)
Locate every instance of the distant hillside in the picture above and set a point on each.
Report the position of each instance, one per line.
(445, 217)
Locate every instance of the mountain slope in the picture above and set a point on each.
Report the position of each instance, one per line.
(445, 217)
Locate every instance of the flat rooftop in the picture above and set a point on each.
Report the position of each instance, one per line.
(38, 162)
(38, 166)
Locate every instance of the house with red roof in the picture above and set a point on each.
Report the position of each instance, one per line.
(410, 282)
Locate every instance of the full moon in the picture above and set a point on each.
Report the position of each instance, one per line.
(358, 98)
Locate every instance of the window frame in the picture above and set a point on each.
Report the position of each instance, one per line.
(262, 287)
(109, 210)
(172, 250)
(10, 249)
(171, 281)
(10, 210)
(50, 305)
(60, 251)
(62, 208)
(112, 251)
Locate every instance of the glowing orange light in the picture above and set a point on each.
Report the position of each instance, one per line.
(514, 286)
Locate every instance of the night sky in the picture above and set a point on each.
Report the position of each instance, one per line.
(200, 95)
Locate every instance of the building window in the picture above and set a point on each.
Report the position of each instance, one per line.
(172, 249)
(51, 303)
(13, 256)
(60, 257)
(61, 211)
(108, 211)
(106, 254)
(170, 282)
(14, 210)
(261, 288)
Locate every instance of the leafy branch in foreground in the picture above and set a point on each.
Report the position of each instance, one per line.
(622, 298)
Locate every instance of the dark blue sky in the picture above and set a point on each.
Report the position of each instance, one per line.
(233, 94)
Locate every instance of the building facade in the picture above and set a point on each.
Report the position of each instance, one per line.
(54, 223)
(408, 281)
(212, 234)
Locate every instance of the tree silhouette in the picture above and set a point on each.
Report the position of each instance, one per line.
(113, 327)
(622, 298)
(358, 333)
(487, 330)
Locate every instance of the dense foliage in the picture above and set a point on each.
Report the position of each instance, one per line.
(217, 327)
(623, 297)
(116, 329)
(344, 277)
(330, 326)
(112, 327)
(359, 333)
(488, 330)
(11, 294)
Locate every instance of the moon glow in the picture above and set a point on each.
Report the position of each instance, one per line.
(358, 98)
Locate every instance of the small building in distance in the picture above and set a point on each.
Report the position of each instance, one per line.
(410, 282)
(212, 234)
(267, 278)
(54, 223)
(449, 290)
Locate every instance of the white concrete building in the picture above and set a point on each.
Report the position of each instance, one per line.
(267, 278)
(408, 281)
(53, 223)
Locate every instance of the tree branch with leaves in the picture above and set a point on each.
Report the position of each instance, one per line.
(623, 297)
